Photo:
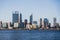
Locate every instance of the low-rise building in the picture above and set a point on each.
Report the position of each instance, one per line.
(28, 26)
(33, 26)
(9, 27)
(16, 25)
(4, 25)
(21, 25)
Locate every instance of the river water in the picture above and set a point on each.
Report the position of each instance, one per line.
(29, 35)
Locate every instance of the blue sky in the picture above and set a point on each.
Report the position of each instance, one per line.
(39, 9)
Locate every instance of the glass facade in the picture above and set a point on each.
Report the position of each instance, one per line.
(20, 18)
(15, 17)
(46, 22)
(31, 18)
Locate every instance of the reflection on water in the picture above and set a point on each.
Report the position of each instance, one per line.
(29, 35)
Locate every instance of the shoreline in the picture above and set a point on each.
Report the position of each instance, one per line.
(28, 29)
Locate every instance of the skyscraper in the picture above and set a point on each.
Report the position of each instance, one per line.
(40, 22)
(0, 24)
(31, 19)
(20, 18)
(25, 22)
(15, 17)
(46, 22)
(54, 22)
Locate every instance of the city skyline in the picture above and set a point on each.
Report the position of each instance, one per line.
(39, 9)
(29, 19)
(17, 23)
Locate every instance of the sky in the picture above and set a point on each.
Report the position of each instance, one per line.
(39, 9)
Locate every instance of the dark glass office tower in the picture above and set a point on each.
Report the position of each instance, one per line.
(40, 22)
(20, 18)
(15, 17)
(25, 22)
(31, 19)
(46, 22)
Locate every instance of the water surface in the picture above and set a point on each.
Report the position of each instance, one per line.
(29, 35)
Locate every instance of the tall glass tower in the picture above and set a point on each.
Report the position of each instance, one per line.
(20, 18)
(54, 21)
(15, 17)
(46, 22)
(25, 22)
(31, 19)
(40, 22)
